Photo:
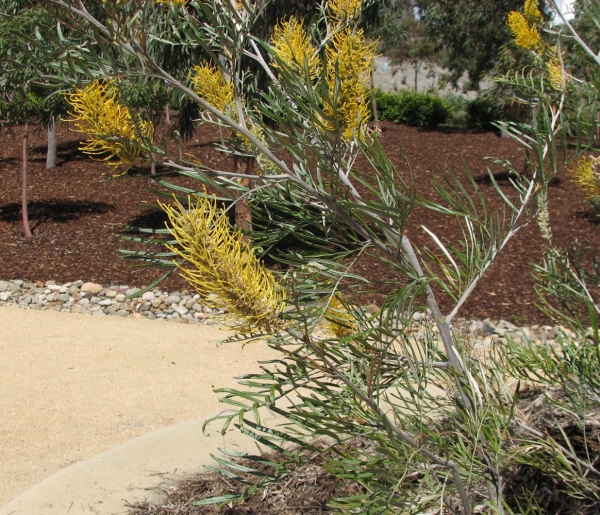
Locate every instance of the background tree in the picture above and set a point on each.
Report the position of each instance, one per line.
(24, 99)
(415, 47)
(470, 31)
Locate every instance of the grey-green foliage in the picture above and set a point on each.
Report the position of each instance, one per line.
(441, 423)
(24, 95)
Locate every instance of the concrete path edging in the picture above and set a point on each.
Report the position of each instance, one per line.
(129, 472)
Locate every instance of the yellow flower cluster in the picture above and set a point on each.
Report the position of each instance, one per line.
(349, 63)
(339, 321)
(209, 83)
(556, 75)
(225, 272)
(586, 173)
(113, 133)
(526, 35)
(168, 3)
(344, 9)
(292, 46)
(531, 11)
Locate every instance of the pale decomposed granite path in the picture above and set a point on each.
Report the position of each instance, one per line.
(73, 385)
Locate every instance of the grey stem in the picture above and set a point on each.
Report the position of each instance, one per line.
(400, 434)
(51, 154)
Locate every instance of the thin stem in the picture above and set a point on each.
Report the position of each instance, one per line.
(24, 211)
(514, 228)
(407, 438)
(537, 433)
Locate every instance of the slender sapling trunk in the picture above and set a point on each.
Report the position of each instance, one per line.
(374, 103)
(51, 154)
(243, 214)
(24, 212)
(416, 74)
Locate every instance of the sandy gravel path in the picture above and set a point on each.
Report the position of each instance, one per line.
(73, 386)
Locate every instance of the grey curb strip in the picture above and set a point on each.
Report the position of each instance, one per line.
(129, 472)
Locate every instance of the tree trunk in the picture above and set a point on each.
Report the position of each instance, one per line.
(374, 103)
(51, 154)
(167, 113)
(24, 212)
(243, 214)
(416, 75)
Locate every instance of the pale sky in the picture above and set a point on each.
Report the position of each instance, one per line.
(565, 7)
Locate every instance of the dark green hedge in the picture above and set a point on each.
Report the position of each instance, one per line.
(411, 108)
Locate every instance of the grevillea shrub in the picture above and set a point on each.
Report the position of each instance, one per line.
(442, 426)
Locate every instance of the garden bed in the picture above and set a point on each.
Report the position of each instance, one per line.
(78, 214)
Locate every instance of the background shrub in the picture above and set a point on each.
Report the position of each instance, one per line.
(411, 108)
(482, 112)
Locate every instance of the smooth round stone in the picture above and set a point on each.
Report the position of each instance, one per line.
(148, 296)
(182, 310)
(4, 296)
(172, 299)
(91, 288)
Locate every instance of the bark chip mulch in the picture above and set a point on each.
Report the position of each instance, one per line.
(78, 214)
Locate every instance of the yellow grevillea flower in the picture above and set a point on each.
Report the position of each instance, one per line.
(176, 3)
(531, 10)
(224, 270)
(344, 9)
(349, 63)
(556, 75)
(209, 83)
(339, 321)
(586, 173)
(292, 45)
(526, 36)
(112, 130)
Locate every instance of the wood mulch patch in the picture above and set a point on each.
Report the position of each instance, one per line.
(78, 214)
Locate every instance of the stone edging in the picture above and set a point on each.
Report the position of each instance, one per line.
(185, 307)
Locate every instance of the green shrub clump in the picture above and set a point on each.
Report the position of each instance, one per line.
(411, 108)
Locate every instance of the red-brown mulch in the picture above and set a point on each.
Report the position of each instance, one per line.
(78, 214)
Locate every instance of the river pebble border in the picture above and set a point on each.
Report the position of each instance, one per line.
(185, 307)
(95, 299)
